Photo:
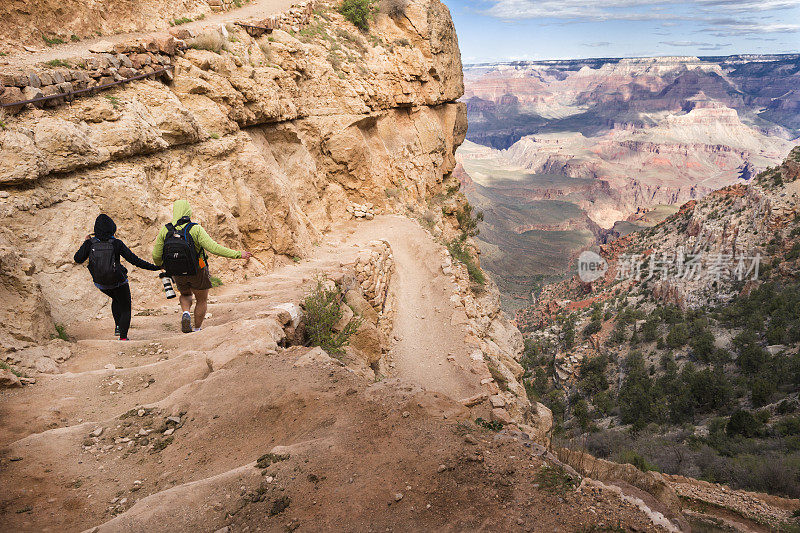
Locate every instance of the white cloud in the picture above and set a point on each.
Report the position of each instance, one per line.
(750, 5)
(684, 43)
(570, 9)
(726, 27)
(666, 11)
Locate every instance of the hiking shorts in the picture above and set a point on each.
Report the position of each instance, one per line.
(198, 282)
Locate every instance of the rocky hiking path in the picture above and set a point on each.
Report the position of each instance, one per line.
(429, 350)
(162, 432)
(254, 10)
(423, 329)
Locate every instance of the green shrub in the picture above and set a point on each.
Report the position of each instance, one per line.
(762, 389)
(637, 460)
(323, 311)
(553, 478)
(636, 402)
(592, 327)
(580, 410)
(467, 222)
(458, 250)
(61, 333)
(603, 402)
(702, 345)
(6, 366)
(492, 425)
(593, 376)
(554, 400)
(742, 423)
(51, 41)
(180, 20)
(359, 12)
(619, 335)
(58, 63)
(215, 281)
(650, 329)
(569, 333)
(678, 336)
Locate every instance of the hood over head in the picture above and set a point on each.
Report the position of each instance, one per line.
(104, 227)
(180, 209)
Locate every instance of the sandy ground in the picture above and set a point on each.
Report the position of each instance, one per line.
(167, 439)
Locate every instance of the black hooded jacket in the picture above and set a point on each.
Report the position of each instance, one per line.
(104, 230)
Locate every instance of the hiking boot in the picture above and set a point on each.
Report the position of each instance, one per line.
(116, 331)
(186, 322)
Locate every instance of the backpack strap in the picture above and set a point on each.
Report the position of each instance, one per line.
(170, 227)
(188, 238)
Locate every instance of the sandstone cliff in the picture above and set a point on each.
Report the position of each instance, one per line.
(271, 139)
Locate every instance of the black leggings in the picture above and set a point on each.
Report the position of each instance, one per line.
(121, 307)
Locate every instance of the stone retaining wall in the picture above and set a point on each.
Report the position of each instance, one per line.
(115, 63)
(119, 63)
(374, 269)
(292, 20)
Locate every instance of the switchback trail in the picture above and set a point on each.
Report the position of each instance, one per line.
(161, 433)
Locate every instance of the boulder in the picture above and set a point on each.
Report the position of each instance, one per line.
(9, 95)
(9, 380)
(347, 316)
(501, 415)
(101, 47)
(313, 357)
(368, 341)
(355, 299)
(45, 365)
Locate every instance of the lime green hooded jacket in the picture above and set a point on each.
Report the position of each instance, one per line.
(202, 241)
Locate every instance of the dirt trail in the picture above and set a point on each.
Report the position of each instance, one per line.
(427, 324)
(255, 10)
(423, 327)
(166, 438)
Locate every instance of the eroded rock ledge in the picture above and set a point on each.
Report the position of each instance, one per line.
(270, 139)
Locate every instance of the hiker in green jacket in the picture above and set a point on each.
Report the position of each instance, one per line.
(186, 244)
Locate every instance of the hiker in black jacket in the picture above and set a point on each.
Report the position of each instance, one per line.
(108, 274)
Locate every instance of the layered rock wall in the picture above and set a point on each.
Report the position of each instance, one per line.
(269, 139)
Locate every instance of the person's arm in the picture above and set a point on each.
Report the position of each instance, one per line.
(83, 252)
(202, 238)
(134, 259)
(158, 247)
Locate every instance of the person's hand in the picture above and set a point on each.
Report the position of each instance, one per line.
(246, 255)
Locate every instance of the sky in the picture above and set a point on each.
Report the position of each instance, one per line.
(505, 30)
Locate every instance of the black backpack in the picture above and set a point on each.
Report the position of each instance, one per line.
(180, 255)
(103, 263)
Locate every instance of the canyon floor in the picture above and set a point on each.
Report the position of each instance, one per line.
(163, 432)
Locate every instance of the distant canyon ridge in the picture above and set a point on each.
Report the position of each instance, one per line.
(562, 155)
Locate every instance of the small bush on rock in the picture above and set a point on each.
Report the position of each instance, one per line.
(460, 253)
(359, 12)
(323, 311)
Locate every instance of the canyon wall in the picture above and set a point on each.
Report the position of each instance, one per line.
(36, 24)
(270, 139)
